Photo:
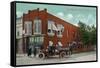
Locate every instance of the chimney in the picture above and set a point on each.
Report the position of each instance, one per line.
(24, 14)
(37, 9)
(29, 11)
(45, 10)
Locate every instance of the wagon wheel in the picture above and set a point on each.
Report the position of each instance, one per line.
(41, 55)
(62, 54)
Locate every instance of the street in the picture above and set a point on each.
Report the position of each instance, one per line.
(85, 56)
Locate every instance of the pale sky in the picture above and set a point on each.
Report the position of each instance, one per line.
(71, 14)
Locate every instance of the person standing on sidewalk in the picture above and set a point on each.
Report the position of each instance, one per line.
(29, 50)
(70, 48)
(34, 51)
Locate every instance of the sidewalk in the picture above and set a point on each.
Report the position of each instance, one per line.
(86, 56)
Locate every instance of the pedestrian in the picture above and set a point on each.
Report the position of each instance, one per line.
(59, 45)
(34, 52)
(70, 47)
(50, 47)
(29, 51)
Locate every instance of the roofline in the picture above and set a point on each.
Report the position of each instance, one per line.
(49, 14)
(62, 20)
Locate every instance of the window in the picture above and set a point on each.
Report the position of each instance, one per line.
(18, 33)
(28, 27)
(36, 40)
(60, 30)
(32, 40)
(39, 39)
(51, 28)
(37, 26)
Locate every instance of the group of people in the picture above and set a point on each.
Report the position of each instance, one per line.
(70, 46)
(32, 50)
(51, 48)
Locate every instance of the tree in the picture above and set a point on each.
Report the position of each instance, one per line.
(93, 35)
(87, 33)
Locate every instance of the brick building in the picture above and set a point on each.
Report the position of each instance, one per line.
(41, 28)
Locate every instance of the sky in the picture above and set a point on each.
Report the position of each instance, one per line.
(72, 14)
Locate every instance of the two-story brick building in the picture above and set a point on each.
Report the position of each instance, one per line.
(43, 28)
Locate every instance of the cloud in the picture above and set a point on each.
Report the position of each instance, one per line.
(75, 24)
(19, 13)
(87, 19)
(60, 14)
(69, 16)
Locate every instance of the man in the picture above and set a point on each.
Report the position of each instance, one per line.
(34, 51)
(30, 50)
(50, 47)
(70, 48)
(59, 46)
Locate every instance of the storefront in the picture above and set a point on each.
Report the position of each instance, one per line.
(19, 47)
(36, 41)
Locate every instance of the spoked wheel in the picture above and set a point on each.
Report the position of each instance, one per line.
(62, 54)
(41, 55)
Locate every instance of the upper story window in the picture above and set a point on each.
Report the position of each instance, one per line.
(60, 30)
(18, 33)
(28, 27)
(51, 28)
(37, 26)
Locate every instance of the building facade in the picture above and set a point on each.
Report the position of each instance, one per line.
(19, 47)
(41, 28)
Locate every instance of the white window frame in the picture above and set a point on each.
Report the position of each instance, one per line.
(50, 27)
(37, 26)
(60, 27)
(28, 27)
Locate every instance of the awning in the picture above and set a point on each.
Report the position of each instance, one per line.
(54, 27)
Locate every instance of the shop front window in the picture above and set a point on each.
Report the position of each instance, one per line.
(36, 40)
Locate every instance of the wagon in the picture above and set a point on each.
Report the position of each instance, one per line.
(61, 52)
